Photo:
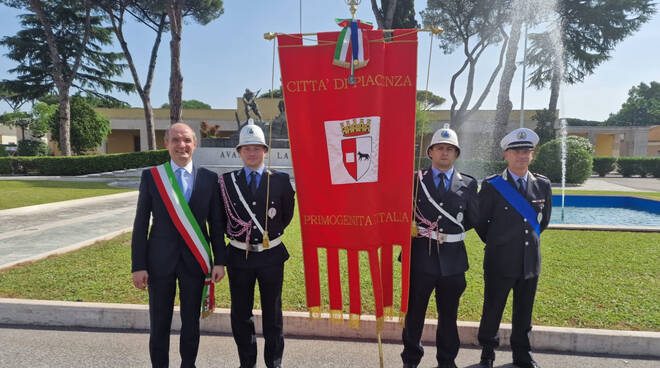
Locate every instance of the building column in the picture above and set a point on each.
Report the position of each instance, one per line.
(591, 135)
(640, 142)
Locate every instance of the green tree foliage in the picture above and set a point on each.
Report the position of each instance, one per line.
(589, 33)
(29, 49)
(641, 108)
(36, 122)
(29, 147)
(104, 101)
(276, 94)
(190, 104)
(88, 128)
(545, 125)
(61, 48)
(429, 100)
(582, 122)
(394, 14)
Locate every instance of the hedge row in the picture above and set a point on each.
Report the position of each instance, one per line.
(80, 165)
(628, 166)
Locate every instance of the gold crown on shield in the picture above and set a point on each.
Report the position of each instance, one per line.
(355, 127)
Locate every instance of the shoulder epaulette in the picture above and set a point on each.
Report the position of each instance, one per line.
(469, 176)
(540, 176)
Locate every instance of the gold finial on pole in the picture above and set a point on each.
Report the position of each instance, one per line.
(436, 30)
(353, 4)
(270, 35)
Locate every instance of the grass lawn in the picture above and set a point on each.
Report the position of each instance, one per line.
(649, 195)
(17, 193)
(589, 279)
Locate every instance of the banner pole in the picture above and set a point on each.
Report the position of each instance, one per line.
(380, 350)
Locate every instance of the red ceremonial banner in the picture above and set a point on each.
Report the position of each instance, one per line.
(352, 151)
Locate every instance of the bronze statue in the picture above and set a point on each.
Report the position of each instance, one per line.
(249, 100)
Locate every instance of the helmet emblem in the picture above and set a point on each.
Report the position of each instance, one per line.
(251, 131)
(444, 134)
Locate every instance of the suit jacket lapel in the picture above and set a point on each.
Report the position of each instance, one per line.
(456, 182)
(242, 183)
(427, 179)
(532, 188)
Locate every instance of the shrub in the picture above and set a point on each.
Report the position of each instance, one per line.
(629, 166)
(28, 147)
(88, 127)
(642, 166)
(579, 162)
(603, 165)
(81, 165)
(3, 151)
(5, 166)
(648, 166)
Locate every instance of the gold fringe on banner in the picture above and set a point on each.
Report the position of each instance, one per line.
(354, 321)
(380, 322)
(388, 313)
(402, 319)
(413, 229)
(315, 312)
(336, 317)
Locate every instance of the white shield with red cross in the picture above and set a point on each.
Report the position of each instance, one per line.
(353, 149)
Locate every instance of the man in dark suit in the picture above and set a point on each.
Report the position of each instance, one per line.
(515, 208)
(161, 256)
(446, 208)
(259, 204)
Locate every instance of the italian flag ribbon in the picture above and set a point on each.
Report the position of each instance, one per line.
(187, 225)
(353, 37)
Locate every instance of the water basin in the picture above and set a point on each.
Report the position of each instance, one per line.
(606, 210)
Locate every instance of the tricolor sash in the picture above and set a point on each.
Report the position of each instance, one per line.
(517, 201)
(187, 225)
(352, 37)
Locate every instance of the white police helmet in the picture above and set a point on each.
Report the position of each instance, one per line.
(251, 134)
(444, 135)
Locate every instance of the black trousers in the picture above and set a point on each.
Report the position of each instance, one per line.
(241, 287)
(448, 291)
(495, 295)
(162, 290)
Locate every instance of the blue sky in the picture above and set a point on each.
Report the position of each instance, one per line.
(223, 58)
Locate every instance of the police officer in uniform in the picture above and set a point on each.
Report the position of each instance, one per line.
(514, 209)
(446, 208)
(257, 201)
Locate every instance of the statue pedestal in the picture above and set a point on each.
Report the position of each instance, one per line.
(225, 159)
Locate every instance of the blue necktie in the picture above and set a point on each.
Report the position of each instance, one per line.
(441, 185)
(253, 182)
(183, 184)
(521, 187)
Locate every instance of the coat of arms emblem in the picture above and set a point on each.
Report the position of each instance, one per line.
(353, 149)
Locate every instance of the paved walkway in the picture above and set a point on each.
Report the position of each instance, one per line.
(28, 347)
(36, 231)
(617, 183)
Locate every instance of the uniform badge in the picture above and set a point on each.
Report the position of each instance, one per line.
(459, 217)
(522, 135)
(272, 212)
(539, 217)
(444, 134)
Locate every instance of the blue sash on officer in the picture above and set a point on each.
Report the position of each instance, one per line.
(518, 202)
